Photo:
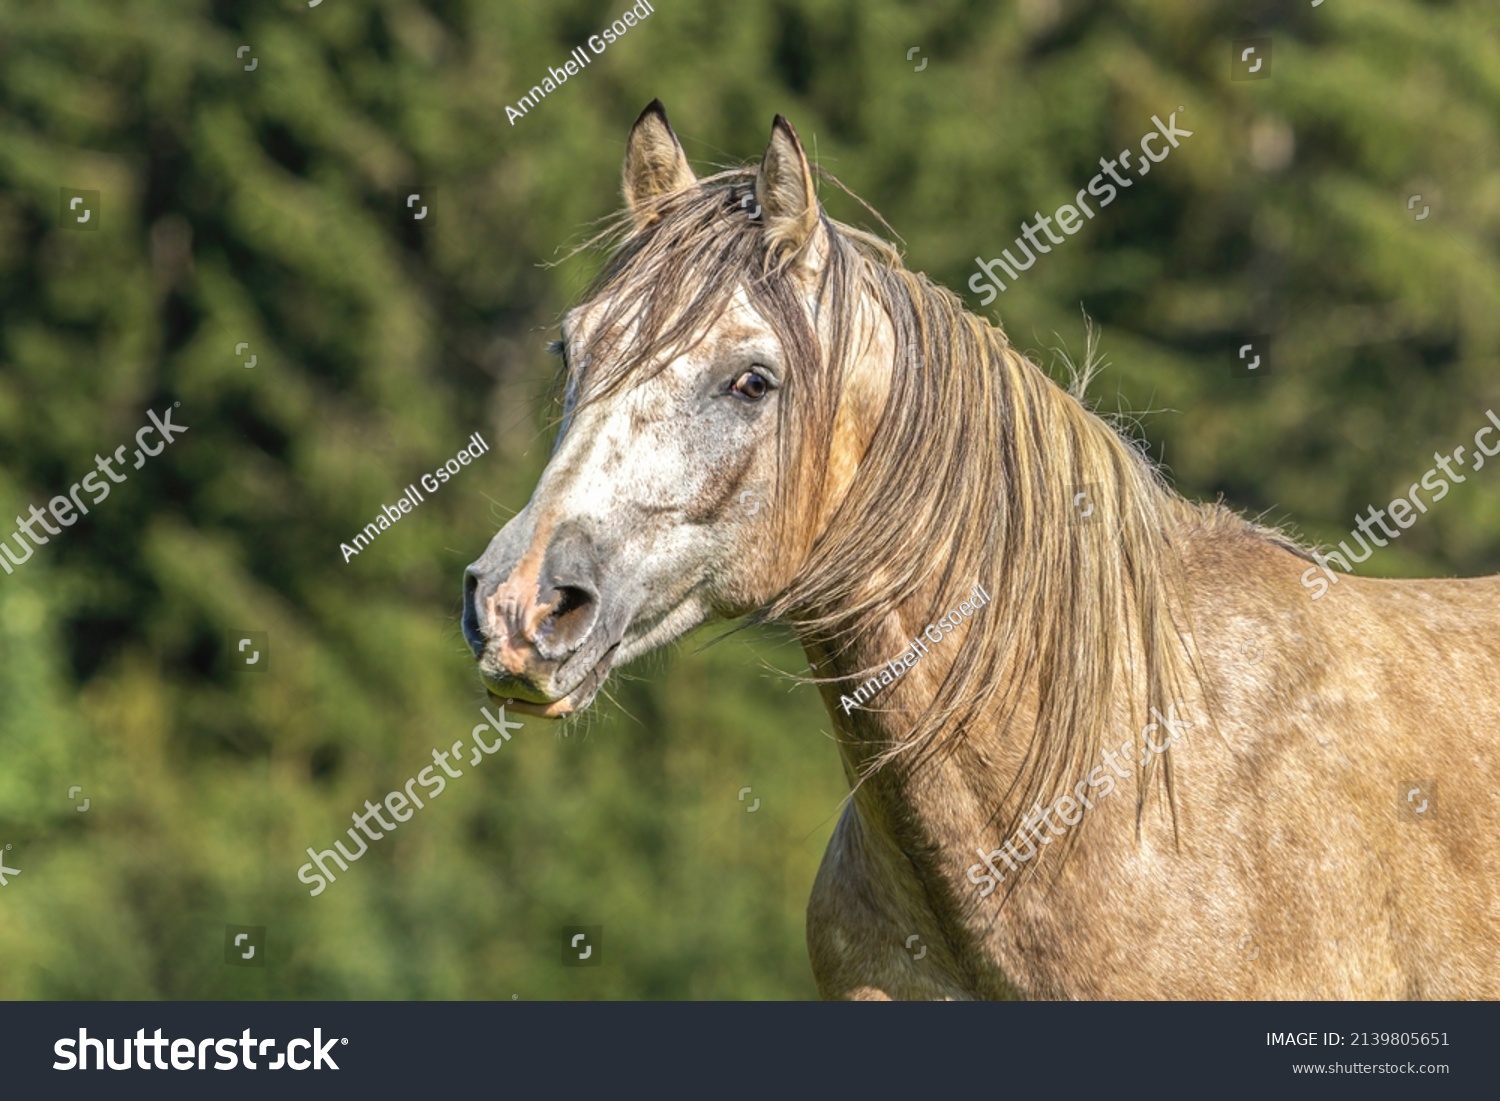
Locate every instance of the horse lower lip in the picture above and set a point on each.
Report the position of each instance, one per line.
(553, 710)
(575, 699)
(515, 691)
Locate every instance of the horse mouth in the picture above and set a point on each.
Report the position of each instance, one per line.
(525, 698)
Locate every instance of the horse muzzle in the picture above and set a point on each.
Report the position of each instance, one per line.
(536, 623)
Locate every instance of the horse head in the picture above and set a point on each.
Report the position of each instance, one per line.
(663, 505)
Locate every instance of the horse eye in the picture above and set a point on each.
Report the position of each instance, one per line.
(751, 385)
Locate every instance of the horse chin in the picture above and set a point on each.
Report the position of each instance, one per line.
(570, 703)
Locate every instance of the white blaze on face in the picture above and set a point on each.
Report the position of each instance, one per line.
(650, 472)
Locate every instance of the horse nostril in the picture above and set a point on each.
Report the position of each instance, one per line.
(571, 617)
(473, 631)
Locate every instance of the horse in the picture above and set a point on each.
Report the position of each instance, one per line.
(766, 416)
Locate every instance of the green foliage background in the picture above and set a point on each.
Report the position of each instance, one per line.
(263, 207)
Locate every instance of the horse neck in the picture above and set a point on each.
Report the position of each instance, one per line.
(1080, 634)
(870, 733)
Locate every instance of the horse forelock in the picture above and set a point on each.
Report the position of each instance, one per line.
(674, 267)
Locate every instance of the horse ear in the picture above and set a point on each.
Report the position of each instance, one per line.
(655, 164)
(784, 189)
